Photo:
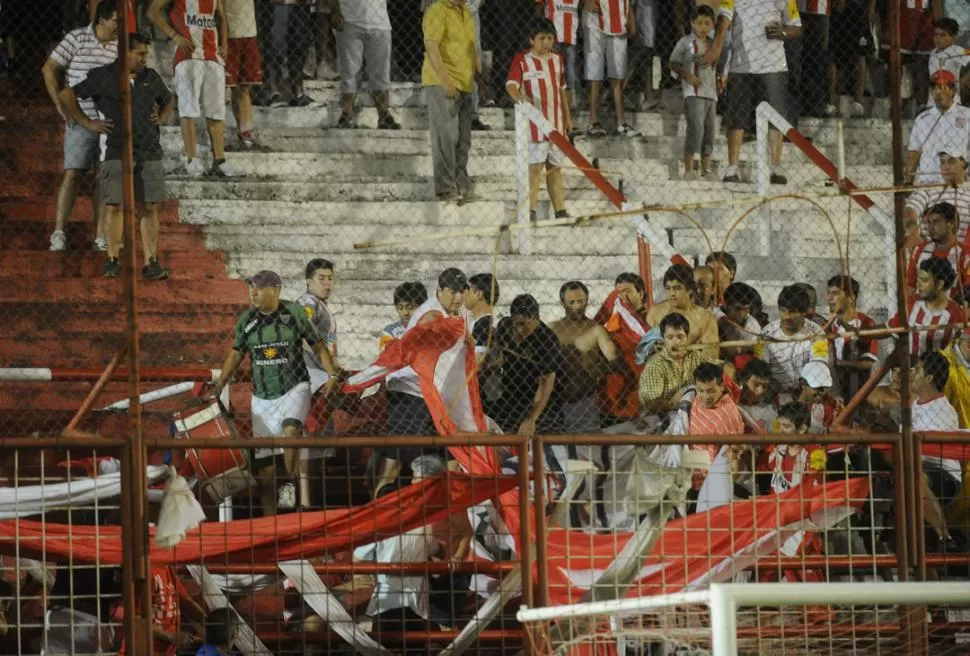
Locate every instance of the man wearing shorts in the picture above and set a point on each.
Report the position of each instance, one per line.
(201, 34)
(758, 71)
(151, 104)
(273, 333)
(80, 52)
(608, 23)
(363, 32)
(243, 69)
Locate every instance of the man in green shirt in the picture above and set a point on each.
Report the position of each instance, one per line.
(273, 332)
(448, 75)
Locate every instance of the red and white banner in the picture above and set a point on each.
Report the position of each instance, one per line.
(440, 356)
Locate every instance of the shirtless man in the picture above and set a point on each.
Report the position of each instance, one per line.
(704, 295)
(588, 353)
(679, 285)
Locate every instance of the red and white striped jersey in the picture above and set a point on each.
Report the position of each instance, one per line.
(541, 79)
(612, 16)
(853, 349)
(921, 315)
(196, 20)
(957, 256)
(565, 15)
(823, 7)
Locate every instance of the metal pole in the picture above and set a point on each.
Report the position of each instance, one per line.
(137, 600)
(539, 478)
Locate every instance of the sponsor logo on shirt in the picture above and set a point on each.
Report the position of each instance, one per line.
(204, 21)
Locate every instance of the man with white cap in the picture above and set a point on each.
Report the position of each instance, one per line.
(941, 127)
(953, 167)
(815, 382)
(273, 332)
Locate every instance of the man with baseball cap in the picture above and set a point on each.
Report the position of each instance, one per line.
(407, 413)
(953, 168)
(944, 127)
(273, 333)
(815, 382)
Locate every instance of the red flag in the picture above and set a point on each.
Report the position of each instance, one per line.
(439, 354)
(618, 396)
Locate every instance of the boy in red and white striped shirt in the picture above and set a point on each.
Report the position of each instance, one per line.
(565, 16)
(538, 77)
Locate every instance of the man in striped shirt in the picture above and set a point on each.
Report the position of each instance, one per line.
(942, 243)
(953, 166)
(854, 356)
(933, 307)
(791, 341)
(81, 51)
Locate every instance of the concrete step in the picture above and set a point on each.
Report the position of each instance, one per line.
(188, 293)
(386, 271)
(596, 239)
(35, 236)
(44, 210)
(860, 144)
(182, 265)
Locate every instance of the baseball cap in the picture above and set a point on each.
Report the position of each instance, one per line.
(265, 279)
(953, 151)
(453, 279)
(944, 77)
(817, 374)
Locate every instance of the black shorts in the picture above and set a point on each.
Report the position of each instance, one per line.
(850, 36)
(407, 415)
(745, 91)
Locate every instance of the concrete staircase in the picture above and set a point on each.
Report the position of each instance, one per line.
(59, 312)
(322, 191)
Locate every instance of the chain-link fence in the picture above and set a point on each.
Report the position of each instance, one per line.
(421, 300)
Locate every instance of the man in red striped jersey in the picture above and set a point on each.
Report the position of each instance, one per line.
(538, 77)
(201, 34)
(854, 356)
(933, 307)
(943, 221)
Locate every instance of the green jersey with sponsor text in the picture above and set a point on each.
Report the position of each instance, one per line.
(274, 343)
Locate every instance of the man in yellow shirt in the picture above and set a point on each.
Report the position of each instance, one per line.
(449, 72)
(957, 392)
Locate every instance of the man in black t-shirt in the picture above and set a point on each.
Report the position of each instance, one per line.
(531, 362)
(151, 104)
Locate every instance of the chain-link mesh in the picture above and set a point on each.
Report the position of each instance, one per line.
(330, 233)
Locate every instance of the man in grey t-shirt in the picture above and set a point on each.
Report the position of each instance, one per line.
(319, 285)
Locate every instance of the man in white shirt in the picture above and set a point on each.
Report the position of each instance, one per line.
(785, 356)
(945, 127)
(81, 51)
(758, 72)
(407, 412)
(931, 411)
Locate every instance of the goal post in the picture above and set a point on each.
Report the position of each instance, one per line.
(661, 618)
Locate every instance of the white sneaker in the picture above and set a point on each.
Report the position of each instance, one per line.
(100, 244)
(195, 168)
(224, 170)
(625, 130)
(325, 71)
(286, 496)
(830, 110)
(58, 241)
(731, 174)
(856, 110)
